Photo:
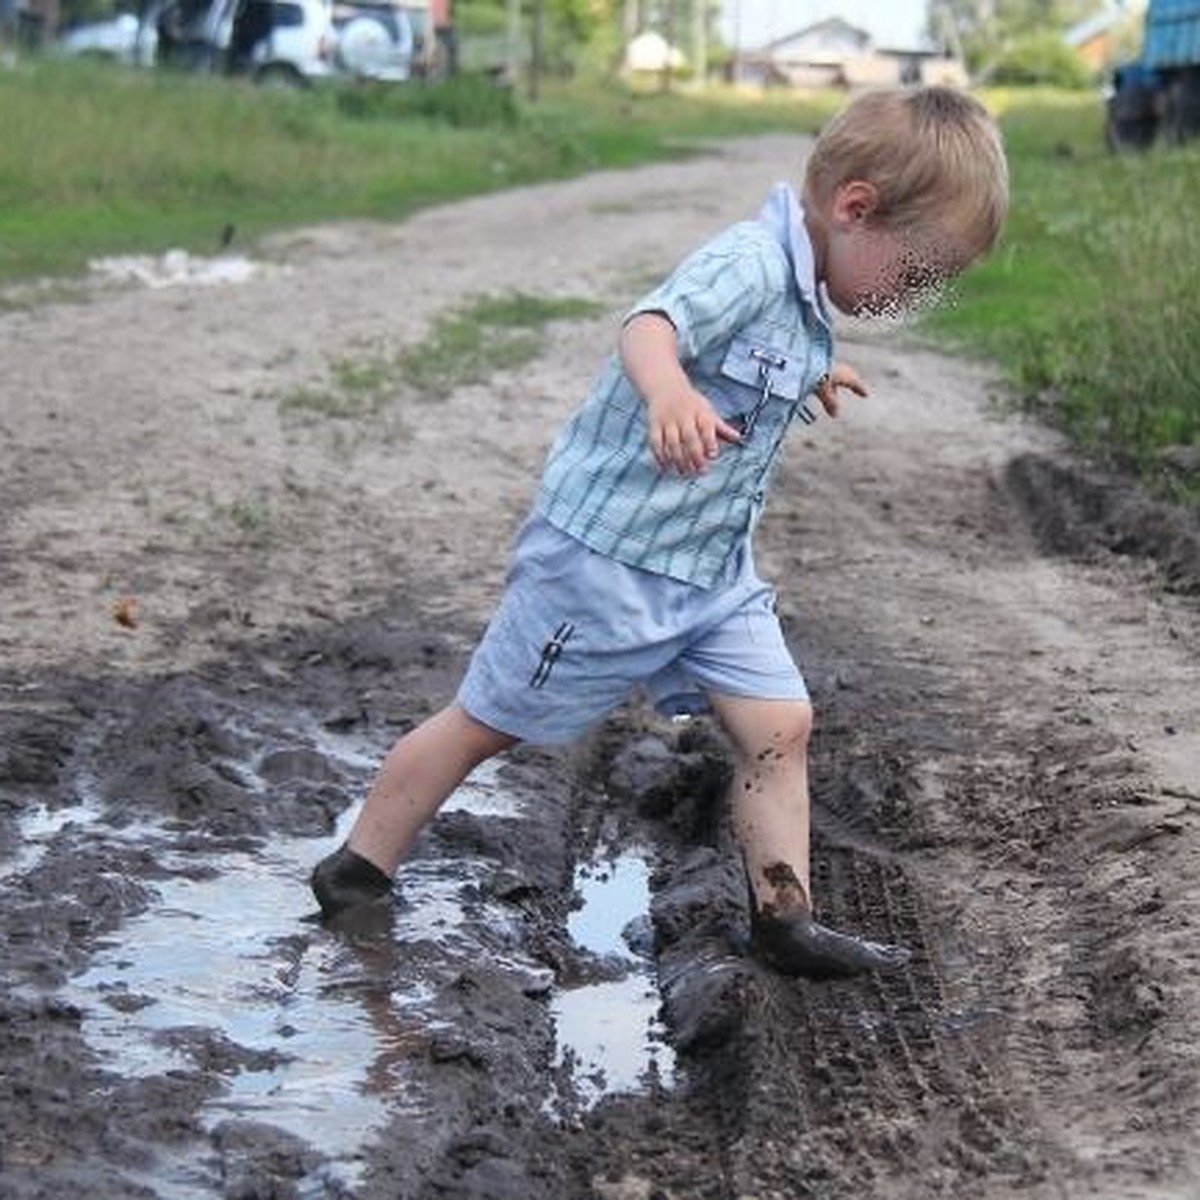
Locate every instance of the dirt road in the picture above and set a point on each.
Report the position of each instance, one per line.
(220, 606)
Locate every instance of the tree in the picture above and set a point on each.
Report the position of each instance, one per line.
(988, 29)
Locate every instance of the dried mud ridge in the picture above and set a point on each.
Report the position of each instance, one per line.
(927, 1082)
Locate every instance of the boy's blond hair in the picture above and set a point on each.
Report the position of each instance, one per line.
(933, 153)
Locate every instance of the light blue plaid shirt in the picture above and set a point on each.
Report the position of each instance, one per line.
(755, 338)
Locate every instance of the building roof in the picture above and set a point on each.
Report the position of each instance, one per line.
(1083, 31)
(831, 33)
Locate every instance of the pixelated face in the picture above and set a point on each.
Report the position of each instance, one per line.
(872, 271)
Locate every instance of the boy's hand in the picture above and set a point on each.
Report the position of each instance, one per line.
(840, 376)
(685, 431)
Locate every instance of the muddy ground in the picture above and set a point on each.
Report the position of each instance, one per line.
(219, 608)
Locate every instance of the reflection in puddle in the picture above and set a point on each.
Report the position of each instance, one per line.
(223, 956)
(311, 1034)
(609, 1033)
(38, 828)
(482, 793)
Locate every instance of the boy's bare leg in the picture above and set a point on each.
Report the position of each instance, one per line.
(770, 810)
(419, 773)
(769, 796)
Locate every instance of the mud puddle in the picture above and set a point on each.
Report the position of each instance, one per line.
(215, 974)
(328, 1036)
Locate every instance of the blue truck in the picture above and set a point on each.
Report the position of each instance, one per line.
(1157, 96)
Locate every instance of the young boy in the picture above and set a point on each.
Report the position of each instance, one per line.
(635, 568)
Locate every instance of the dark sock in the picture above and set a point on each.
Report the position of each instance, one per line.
(795, 944)
(344, 880)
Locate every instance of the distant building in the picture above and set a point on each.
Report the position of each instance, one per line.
(1097, 40)
(835, 53)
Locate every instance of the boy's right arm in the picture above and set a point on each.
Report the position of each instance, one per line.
(685, 429)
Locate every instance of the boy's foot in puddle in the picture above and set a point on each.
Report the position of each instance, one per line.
(795, 944)
(345, 883)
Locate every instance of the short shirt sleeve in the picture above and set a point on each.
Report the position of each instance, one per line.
(717, 289)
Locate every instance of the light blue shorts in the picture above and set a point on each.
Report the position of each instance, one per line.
(576, 633)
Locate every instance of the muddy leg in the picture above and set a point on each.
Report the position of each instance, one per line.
(770, 809)
(422, 769)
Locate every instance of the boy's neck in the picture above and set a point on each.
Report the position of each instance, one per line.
(814, 223)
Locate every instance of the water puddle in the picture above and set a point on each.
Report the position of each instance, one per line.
(216, 973)
(310, 1034)
(320, 1036)
(176, 268)
(38, 828)
(610, 1035)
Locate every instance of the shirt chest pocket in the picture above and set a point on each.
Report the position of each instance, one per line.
(763, 374)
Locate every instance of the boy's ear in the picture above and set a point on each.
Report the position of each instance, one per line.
(855, 201)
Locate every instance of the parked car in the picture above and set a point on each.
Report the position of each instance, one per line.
(123, 38)
(276, 41)
(288, 42)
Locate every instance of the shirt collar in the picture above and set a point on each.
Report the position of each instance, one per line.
(782, 215)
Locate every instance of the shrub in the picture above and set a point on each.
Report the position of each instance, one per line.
(1040, 58)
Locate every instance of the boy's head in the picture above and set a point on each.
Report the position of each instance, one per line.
(903, 189)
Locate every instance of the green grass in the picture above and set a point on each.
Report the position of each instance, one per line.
(1091, 303)
(356, 387)
(97, 159)
(490, 334)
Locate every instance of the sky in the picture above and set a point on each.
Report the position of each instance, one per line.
(894, 23)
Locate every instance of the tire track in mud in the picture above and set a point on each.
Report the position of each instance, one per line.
(868, 1087)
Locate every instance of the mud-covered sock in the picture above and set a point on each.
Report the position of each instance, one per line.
(796, 944)
(345, 880)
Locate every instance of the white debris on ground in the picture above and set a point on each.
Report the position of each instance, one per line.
(175, 268)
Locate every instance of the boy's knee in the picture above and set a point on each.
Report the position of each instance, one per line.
(779, 734)
(795, 727)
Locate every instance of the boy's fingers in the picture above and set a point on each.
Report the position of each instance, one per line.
(690, 454)
(727, 432)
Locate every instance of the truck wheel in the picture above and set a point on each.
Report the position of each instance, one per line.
(1126, 134)
(1181, 113)
(1130, 115)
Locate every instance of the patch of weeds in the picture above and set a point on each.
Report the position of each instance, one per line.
(494, 333)
(252, 515)
(356, 388)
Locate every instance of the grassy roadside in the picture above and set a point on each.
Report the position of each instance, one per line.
(1090, 303)
(97, 159)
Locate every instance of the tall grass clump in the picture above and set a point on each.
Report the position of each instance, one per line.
(1092, 302)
